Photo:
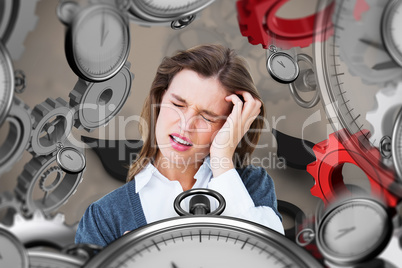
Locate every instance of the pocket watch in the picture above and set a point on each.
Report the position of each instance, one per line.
(6, 83)
(391, 22)
(350, 232)
(354, 231)
(345, 91)
(202, 240)
(97, 42)
(179, 12)
(12, 251)
(281, 66)
(70, 159)
(396, 145)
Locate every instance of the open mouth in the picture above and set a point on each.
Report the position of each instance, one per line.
(180, 141)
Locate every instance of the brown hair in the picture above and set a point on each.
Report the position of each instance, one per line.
(208, 61)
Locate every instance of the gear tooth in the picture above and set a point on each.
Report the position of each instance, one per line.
(62, 235)
(39, 111)
(20, 193)
(52, 103)
(386, 100)
(18, 218)
(37, 214)
(59, 217)
(315, 190)
(61, 102)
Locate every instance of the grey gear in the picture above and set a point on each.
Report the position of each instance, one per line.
(17, 19)
(97, 103)
(355, 37)
(9, 206)
(389, 101)
(50, 201)
(42, 230)
(17, 140)
(56, 130)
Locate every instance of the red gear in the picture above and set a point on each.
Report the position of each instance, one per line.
(258, 21)
(331, 154)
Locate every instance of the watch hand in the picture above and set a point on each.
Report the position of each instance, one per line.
(372, 43)
(103, 33)
(281, 63)
(174, 265)
(344, 231)
(385, 65)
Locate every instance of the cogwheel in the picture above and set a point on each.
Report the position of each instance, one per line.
(360, 43)
(54, 119)
(45, 175)
(97, 103)
(10, 206)
(41, 230)
(17, 19)
(20, 131)
(251, 15)
(389, 101)
(331, 155)
(52, 198)
(258, 21)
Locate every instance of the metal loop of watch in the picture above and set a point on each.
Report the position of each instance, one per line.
(197, 191)
(305, 83)
(20, 82)
(123, 5)
(308, 236)
(182, 22)
(272, 48)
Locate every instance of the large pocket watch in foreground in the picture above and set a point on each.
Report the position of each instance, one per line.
(203, 240)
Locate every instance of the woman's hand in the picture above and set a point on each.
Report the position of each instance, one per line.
(237, 124)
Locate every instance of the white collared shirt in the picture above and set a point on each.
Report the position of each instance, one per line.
(157, 194)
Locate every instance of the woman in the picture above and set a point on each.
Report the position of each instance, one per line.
(209, 117)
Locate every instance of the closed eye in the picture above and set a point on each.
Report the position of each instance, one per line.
(177, 105)
(207, 119)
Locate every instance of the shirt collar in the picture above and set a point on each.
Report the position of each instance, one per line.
(145, 175)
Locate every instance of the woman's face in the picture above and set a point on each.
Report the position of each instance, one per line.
(192, 111)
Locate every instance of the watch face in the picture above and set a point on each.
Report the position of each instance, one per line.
(354, 231)
(282, 67)
(98, 42)
(166, 10)
(391, 22)
(6, 83)
(71, 160)
(397, 145)
(12, 252)
(203, 241)
(40, 258)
